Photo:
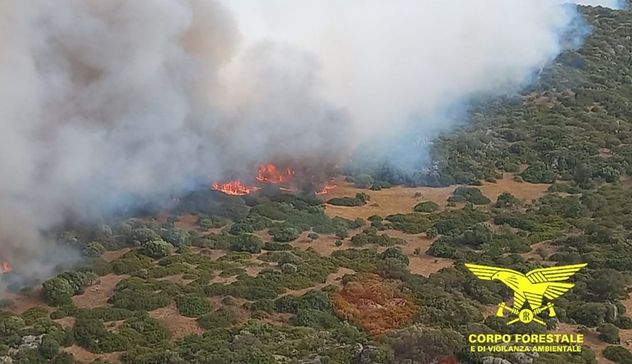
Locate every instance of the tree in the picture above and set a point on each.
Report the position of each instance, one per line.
(285, 234)
(157, 249)
(506, 200)
(57, 291)
(426, 206)
(608, 333)
(247, 243)
(618, 354)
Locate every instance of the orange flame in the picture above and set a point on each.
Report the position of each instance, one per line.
(234, 188)
(269, 173)
(326, 188)
(6, 267)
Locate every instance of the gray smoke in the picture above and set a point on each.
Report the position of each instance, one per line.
(105, 102)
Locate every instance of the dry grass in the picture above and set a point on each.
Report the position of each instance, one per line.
(84, 356)
(402, 199)
(26, 300)
(98, 294)
(175, 323)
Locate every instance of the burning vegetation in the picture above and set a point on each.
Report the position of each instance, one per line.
(5, 266)
(286, 179)
(234, 188)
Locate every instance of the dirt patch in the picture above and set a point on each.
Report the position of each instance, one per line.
(66, 322)
(400, 199)
(97, 295)
(522, 190)
(385, 202)
(324, 245)
(113, 255)
(422, 264)
(214, 254)
(84, 356)
(177, 324)
(177, 279)
(374, 304)
(543, 247)
(591, 339)
(187, 222)
(224, 280)
(26, 300)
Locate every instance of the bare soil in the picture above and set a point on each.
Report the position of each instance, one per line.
(177, 324)
(98, 294)
(84, 356)
(400, 199)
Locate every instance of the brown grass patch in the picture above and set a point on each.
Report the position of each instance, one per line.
(26, 300)
(175, 323)
(187, 222)
(98, 294)
(422, 264)
(373, 303)
(84, 356)
(400, 199)
(113, 255)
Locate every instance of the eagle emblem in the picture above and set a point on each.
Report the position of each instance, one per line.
(530, 288)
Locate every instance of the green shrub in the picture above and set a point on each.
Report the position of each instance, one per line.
(370, 236)
(608, 333)
(284, 234)
(193, 305)
(360, 199)
(247, 243)
(93, 250)
(469, 194)
(223, 317)
(618, 354)
(427, 206)
(156, 249)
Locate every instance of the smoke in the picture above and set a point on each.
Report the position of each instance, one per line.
(103, 103)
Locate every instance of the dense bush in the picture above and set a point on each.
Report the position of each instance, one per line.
(469, 194)
(427, 206)
(222, 317)
(618, 354)
(360, 199)
(193, 305)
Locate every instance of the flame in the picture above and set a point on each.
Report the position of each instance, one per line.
(326, 188)
(234, 188)
(6, 267)
(269, 173)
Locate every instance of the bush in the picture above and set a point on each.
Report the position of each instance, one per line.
(360, 199)
(156, 249)
(469, 194)
(608, 333)
(93, 250)
(284, 234)
(618, 354)
(247, 243)
(506, 200)
(427, 206)
(370, 236)
(92, 335)
(442, 249)
(57, 291)
(223, 317)
(193, 305)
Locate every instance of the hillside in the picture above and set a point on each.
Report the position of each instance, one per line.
(530, 181)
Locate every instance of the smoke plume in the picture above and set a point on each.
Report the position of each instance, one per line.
(107, 102)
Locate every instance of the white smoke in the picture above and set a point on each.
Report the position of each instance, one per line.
(103, 102)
